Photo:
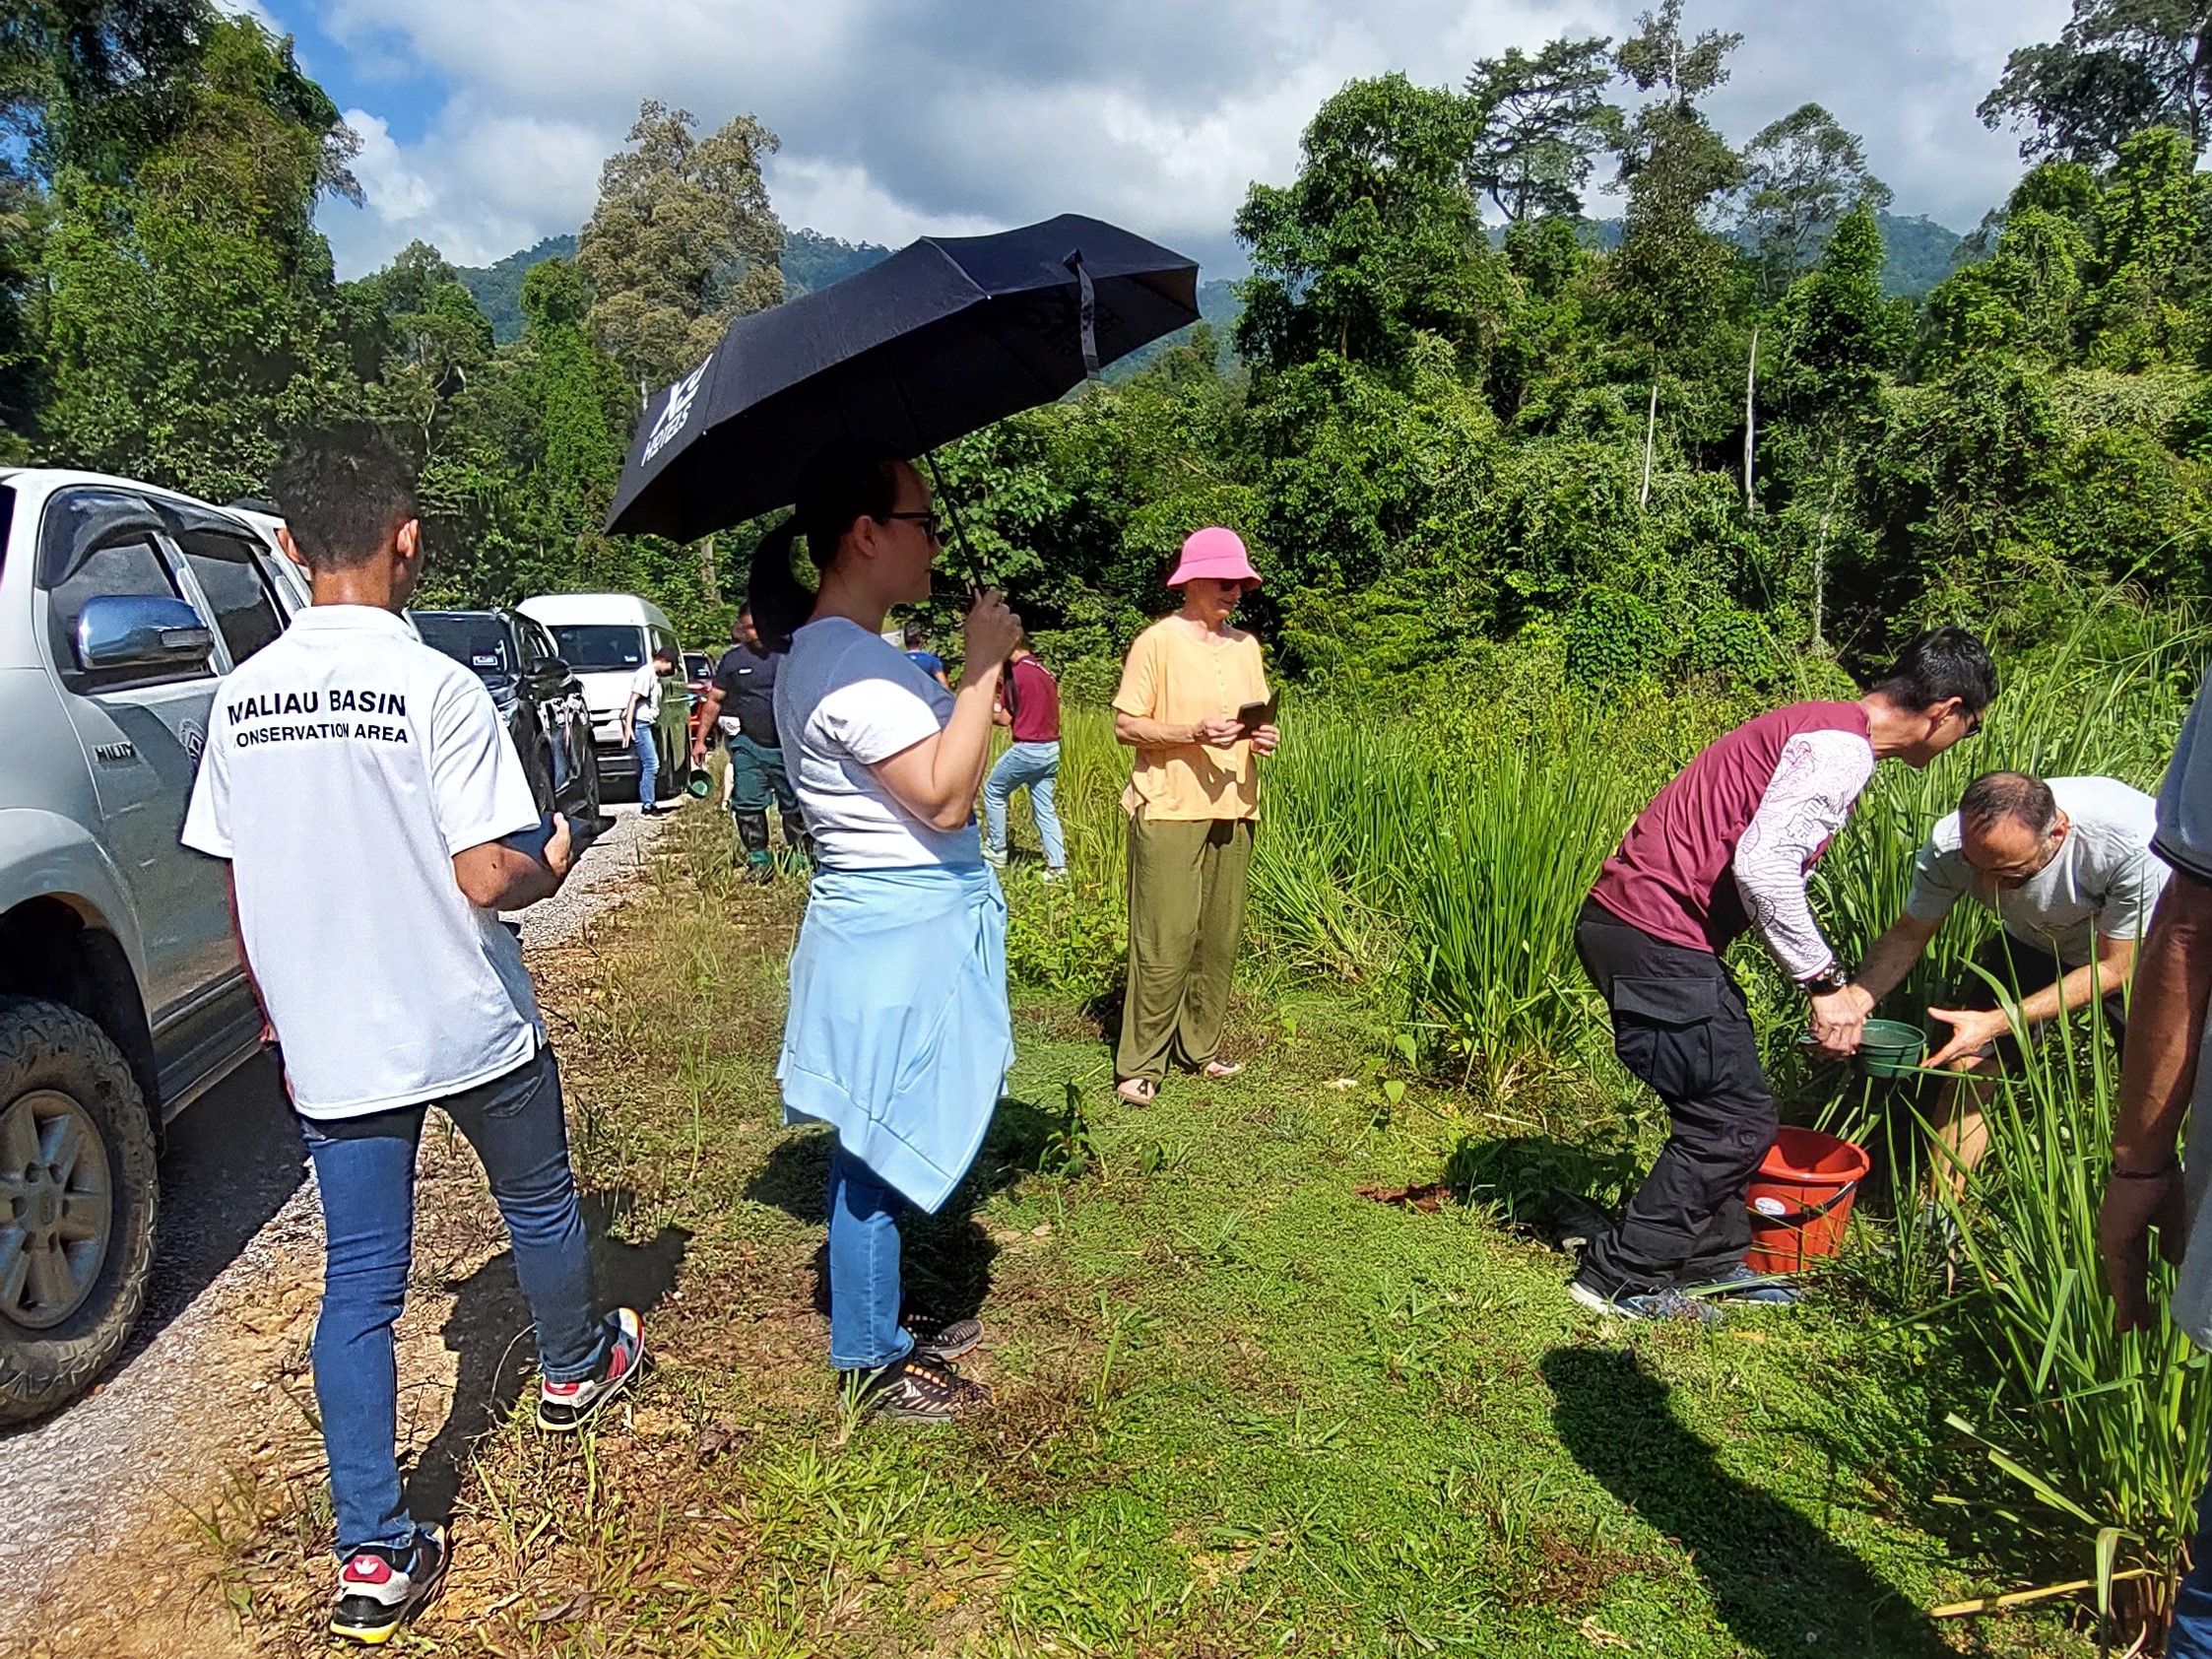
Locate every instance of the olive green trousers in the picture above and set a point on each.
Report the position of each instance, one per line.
(1186, 917)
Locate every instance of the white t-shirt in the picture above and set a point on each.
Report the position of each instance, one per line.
(2103, 879)
(347, 764)
(645, 685)
(846, 700)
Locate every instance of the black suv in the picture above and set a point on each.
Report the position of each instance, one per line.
(541, 701)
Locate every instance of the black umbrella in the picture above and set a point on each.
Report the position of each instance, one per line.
(939, 340)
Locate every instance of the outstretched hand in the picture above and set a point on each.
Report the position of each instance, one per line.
(1972, 1031)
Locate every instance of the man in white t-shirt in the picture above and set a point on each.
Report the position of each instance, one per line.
(641, 716)
(2066, 867)
(376, 821)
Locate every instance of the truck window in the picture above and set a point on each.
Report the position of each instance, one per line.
(245, 611)
(132, 567)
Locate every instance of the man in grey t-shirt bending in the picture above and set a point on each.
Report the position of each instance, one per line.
(2066, 867)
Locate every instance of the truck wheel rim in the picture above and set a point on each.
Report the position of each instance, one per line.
(55, 1208)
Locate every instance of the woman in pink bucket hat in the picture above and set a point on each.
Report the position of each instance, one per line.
(1193, 703)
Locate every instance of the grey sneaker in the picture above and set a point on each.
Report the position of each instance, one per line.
(1766, 1290)
(1052, 875)
(993, 857)
(1669, 1303)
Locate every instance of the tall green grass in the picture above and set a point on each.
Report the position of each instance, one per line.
(2110, 1435)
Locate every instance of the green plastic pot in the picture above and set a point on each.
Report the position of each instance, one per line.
(1890, 1048)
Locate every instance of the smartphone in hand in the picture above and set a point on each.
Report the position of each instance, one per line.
(1253, 715)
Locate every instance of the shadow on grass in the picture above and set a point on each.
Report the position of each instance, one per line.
(490, 1328)
(1780, 1585)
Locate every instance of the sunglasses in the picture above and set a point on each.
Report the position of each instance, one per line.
(929, 521)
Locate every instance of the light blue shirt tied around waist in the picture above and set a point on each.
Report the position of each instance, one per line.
(898, 1036)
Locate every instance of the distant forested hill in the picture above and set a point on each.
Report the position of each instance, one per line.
(497, 288)
(1918, 251)
(811, 260)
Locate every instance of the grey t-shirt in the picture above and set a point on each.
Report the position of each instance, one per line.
(2103, 880)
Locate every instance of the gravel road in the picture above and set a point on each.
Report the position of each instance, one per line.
(235, 1274)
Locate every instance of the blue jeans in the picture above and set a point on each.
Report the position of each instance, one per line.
(648, 759)
(364, 1171)
(1032, 767)
(864, 1282)
(2189, 1637)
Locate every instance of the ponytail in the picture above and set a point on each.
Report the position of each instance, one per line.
(779, 602)
(850, 478)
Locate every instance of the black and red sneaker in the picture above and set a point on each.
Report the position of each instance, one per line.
(565, 1407)
(381, 1589)
(919, 1390)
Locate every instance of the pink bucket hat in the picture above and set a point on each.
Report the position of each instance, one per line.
(1214, 551)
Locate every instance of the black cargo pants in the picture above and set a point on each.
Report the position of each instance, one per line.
(1680, 1025)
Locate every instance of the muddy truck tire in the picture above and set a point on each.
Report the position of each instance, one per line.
(78, 1191)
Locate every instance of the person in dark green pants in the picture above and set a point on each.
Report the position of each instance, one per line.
(1191, 704)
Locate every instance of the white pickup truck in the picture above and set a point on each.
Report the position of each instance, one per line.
(122, 998)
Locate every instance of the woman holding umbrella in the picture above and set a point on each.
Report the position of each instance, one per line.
(898, 1034)
(1194, 705)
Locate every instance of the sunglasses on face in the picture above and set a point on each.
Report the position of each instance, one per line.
(929, 521)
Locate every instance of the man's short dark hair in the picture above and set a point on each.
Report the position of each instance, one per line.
(1993, 797)
(664, 653)
(344, 491)
(1941, 664)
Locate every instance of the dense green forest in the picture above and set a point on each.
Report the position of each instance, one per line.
(1459, 418)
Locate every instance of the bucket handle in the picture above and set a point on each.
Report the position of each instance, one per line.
(1807, 1215)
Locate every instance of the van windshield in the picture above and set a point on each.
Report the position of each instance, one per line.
(599, 648)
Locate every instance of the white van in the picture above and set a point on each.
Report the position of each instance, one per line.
(603, 637)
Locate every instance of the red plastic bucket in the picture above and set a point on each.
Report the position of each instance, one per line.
(1800, 1202)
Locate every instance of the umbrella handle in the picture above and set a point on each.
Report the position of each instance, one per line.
(952, 512)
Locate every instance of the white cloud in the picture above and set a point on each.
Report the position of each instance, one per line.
(900, 118)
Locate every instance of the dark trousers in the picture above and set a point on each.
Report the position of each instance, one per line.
(1679, 1025)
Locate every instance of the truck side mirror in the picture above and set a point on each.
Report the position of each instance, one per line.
(117, 630)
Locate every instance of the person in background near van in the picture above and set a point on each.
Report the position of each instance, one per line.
(1193, 799)
(2163, 1084)
(1724, 849)
(742, 698)
(641, 717)
(898, 1034)
(1030, 708)
(373, 840)
(2066, 867)
(919, 653)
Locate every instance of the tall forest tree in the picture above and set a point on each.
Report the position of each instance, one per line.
(1674, 272)
(188, 317)
(1539, 123)
(1801, 175)
(1376, 240)
(2119, 66)
(682, 241)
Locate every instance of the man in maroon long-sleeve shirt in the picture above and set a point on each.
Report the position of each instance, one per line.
(1723, 849)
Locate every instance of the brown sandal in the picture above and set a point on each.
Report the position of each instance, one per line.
(1136, 1090)
(1220, 1069)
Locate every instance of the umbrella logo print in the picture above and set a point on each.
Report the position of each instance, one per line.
(678, 409)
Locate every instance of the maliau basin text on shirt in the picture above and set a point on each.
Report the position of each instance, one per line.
(280, 705)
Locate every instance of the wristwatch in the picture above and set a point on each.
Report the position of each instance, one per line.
(1827, 981)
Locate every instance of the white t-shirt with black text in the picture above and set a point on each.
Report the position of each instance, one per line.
(847, 700)
(346, 763)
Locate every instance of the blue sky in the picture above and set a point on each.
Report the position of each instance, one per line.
(483, 122)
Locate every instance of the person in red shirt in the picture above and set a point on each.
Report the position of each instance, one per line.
(1724, 849)
(1030, 707)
